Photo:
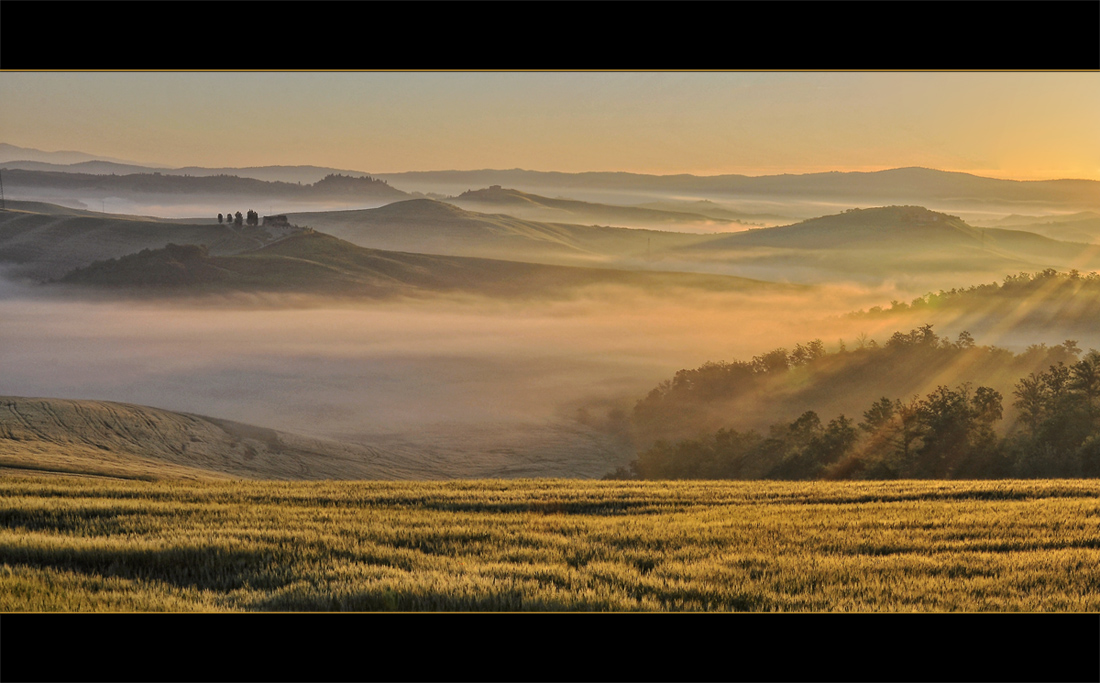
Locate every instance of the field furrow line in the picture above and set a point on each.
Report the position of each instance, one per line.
(29, 424)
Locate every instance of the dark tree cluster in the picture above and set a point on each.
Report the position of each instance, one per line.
(949, 433)
(252, 218)
(1058, 432)
(701, 399)
(1049, 285)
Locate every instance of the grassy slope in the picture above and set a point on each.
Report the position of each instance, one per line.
(117, 439)
(317, 263)
(523, 204)
(102, 438)
(83, 545)
(48, 245)
(426, 226)
(881, 243)
(893, 241)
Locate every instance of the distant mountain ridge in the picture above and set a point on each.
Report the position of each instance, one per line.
(332, 186)
(281, 174)
(25, 158)
(527, 205)
(899, 185)
(9, 153)
(891, 186)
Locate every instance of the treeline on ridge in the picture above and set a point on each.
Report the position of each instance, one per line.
(949, 433)
(1062, 295)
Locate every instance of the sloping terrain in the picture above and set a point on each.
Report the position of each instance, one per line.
(1083, 226)
(535, 207)
(46, 245)
(116, 439)
(709, 208)
(891, 242)
(104, 438)
(316, 263)
(785, 383)
(431, 227)
(870, 245)
(1064, 305)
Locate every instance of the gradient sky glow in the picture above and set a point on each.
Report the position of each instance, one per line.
(1019, 125)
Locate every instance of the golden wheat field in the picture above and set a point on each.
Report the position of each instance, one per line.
(96, 544)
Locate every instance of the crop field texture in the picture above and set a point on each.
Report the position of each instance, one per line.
(97, 544)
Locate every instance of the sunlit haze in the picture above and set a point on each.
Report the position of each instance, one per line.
(1014, 125)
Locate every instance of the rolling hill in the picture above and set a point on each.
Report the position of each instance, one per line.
(889, 242)
(310, 262)
(103, 438)
(535, 207)
(912, 243)
(50, 241)
(1083, 226)
(429, 226)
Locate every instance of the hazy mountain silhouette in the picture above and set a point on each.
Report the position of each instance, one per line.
(1083, 226)
(30, 159)
(901, 185)
(712, 209)
(12, 153)
(90, 185)
(536, 207)
(892, 186)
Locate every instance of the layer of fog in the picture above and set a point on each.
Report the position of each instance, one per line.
(782, 210)
(417, 370)
(437, 375)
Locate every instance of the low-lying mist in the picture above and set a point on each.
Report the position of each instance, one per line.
(467, 374)
(334, 369)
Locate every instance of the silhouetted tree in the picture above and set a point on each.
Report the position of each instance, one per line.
(955, 428)
(220, 218)
(1059, 409)
(892, 431)
(238, 219)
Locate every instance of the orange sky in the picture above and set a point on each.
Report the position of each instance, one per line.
(1020, 125)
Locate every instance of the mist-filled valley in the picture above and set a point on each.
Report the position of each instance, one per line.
(498, 387)
(527, 340)
(405, 326)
